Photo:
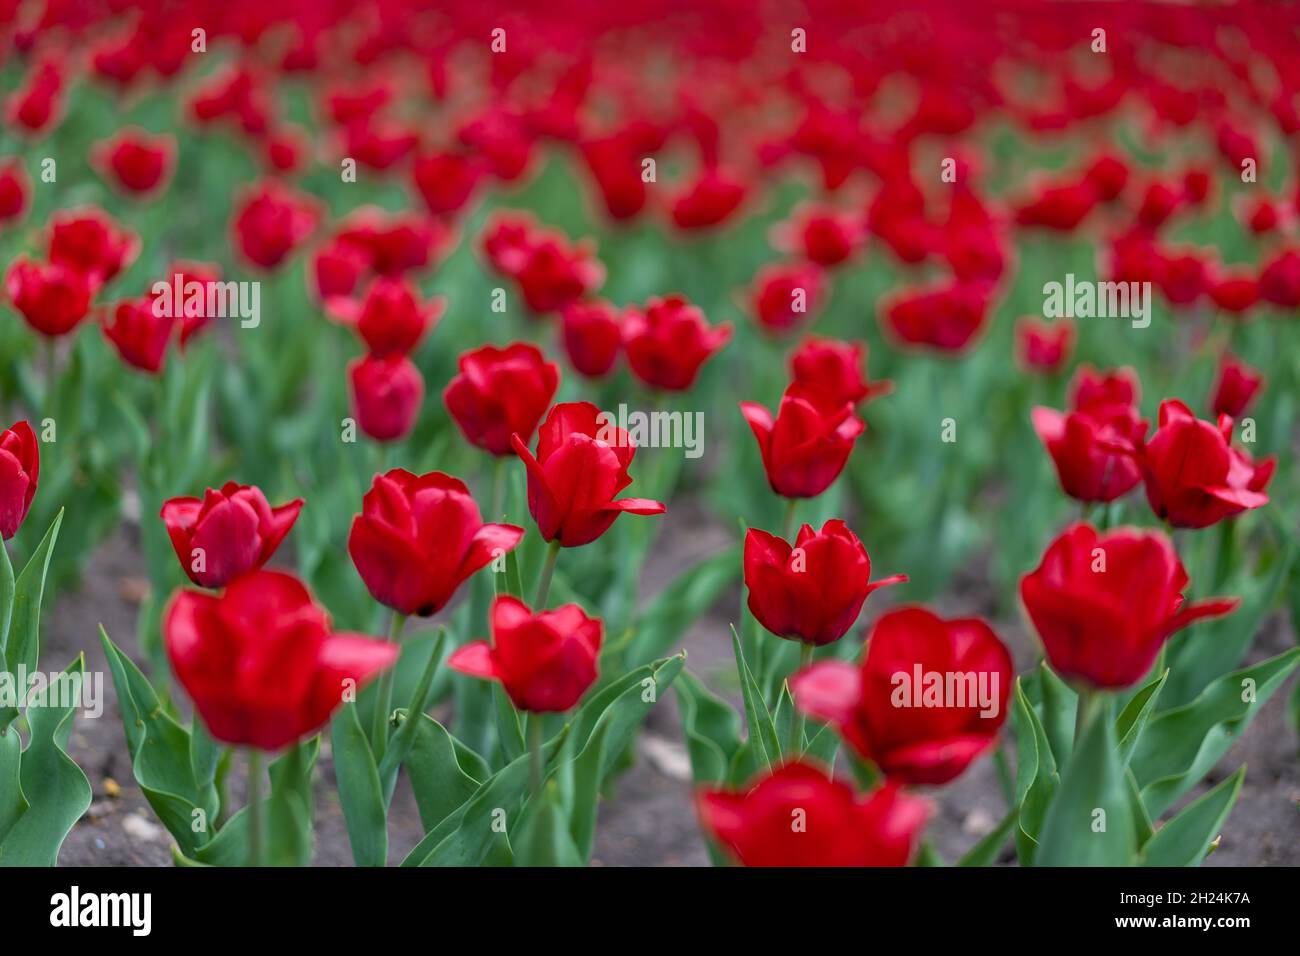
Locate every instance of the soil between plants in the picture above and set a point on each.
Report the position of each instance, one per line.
(650, 820)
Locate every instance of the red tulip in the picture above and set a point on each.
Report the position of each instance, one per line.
(592, 333)
(446, 181)
(1108, 175)
(92, 244)
(544, 660)
(927, 699)
(946, 317)
(15, 190)
(1194, 477)
(1279, 280)
(1236, 387)
(1104, 605)
(227, 534)
(20, 468)
(261, 663)
(1059, 207)
(1044, 347)
(393, 244)
(135, 160)
(814, 591)
(419, 537)
(499, 393)
(550, 271)
(53, 299)
(40, 102)
(194, 319)
(669, 341)
(140, 333)
(270, 222)
(836, 368)
(581, 464)
(1233, 291)
(615, 167)
(806, 447)
(391, 319)
(822, 235)
(796, 815)
(337, 269)
(785, 296)
(708, 201)
(386, 395)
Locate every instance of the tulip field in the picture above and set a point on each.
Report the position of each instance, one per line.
(660, 434)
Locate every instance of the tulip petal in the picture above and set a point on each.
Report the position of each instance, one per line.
(828, 691)
(474, 659)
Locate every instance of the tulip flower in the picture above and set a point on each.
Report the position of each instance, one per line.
(1279, 280)
(140, 333)
(592, 334)
(1104, 604)
(53, 299)
(836, 368)
(391, 320)
(785, 296)
(1058, 207)
(337, 269)
(386, 395)
(1236, 387)
(20, 469)
(710, 200)
(797, 815)
(136, 161)
(228, 533)
(15, 190)
(192, 311)
(261, 662)
(446, 181)
(806, 446)
(814, 591)
(1042, 347)
(393, 245)
(499, 393)
(822, 235)
(419, 537)
(669, 341)
(550, 271)
(928, 698)
(946, 318)
(270, 222)
(580, 465)
(1194, 477)
(545, 660)
(92, 244)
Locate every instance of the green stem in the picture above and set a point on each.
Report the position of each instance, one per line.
(498, 489)
(548, 571)
(787, 524)
(797, 718)
(1089, 705)
(51, 374)
(255, 810)
(1005, 778)
(1226, 553)
(535, 752)
(384, 693)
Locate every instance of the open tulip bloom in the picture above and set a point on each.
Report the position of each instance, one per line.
(409, 390)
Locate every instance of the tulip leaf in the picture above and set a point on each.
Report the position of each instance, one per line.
(1179, 746)
(54, 791)
(544, 838)
(1185, 839)
(23, 640)
(160, 751)
(1059, 705)
(360, 793)
(1036, 775)
(1214, 647)
(1142, 827)
(711, 729)
(762, 732)
(673, 611)
(399, 744)
(985, 852)
(6, 597)
(1136, 713)
(1089, 821)
(443, 772)
(510, 732)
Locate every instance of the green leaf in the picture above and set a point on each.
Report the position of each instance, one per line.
(360, 793)
(1135, 714)
(544, 838)
(762, 732)
(23, 640)
(1179, 746)
(1059, 705)
(399, 744)
(1185, 839)
(1089, 822)
(1036, 775)
(711, 729)
(6, 597)
(444, 773)
(985, 852)
(54, 789)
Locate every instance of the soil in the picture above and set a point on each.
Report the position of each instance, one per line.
(650, 822)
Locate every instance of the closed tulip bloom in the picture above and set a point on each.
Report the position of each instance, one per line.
(1058, 207)
(553, 274)
(499, 393)
(20, 468)
(785, 296)
(821, 234)
(139, 333)
(1234, 291)
(261, 662)
(386, 395)
(227, 533)
(92, 244)
(581, 464)
(1194, 477)
(1104, 604)
(53, 299)
(392, 320)
(668, 342)
(709, 201)
(136, 161)
(836, 368)
(814, 591)
(270, 222)
(806, 446)
(1043, 347)
(881, 828)
(419, 537)
(592, 333)
(1236, 387)
(394, 244)
(545, 661)
(1279, 280)
(446, 181)
(15, 190)
(337, 269)
(946, 318)
(928, 698)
